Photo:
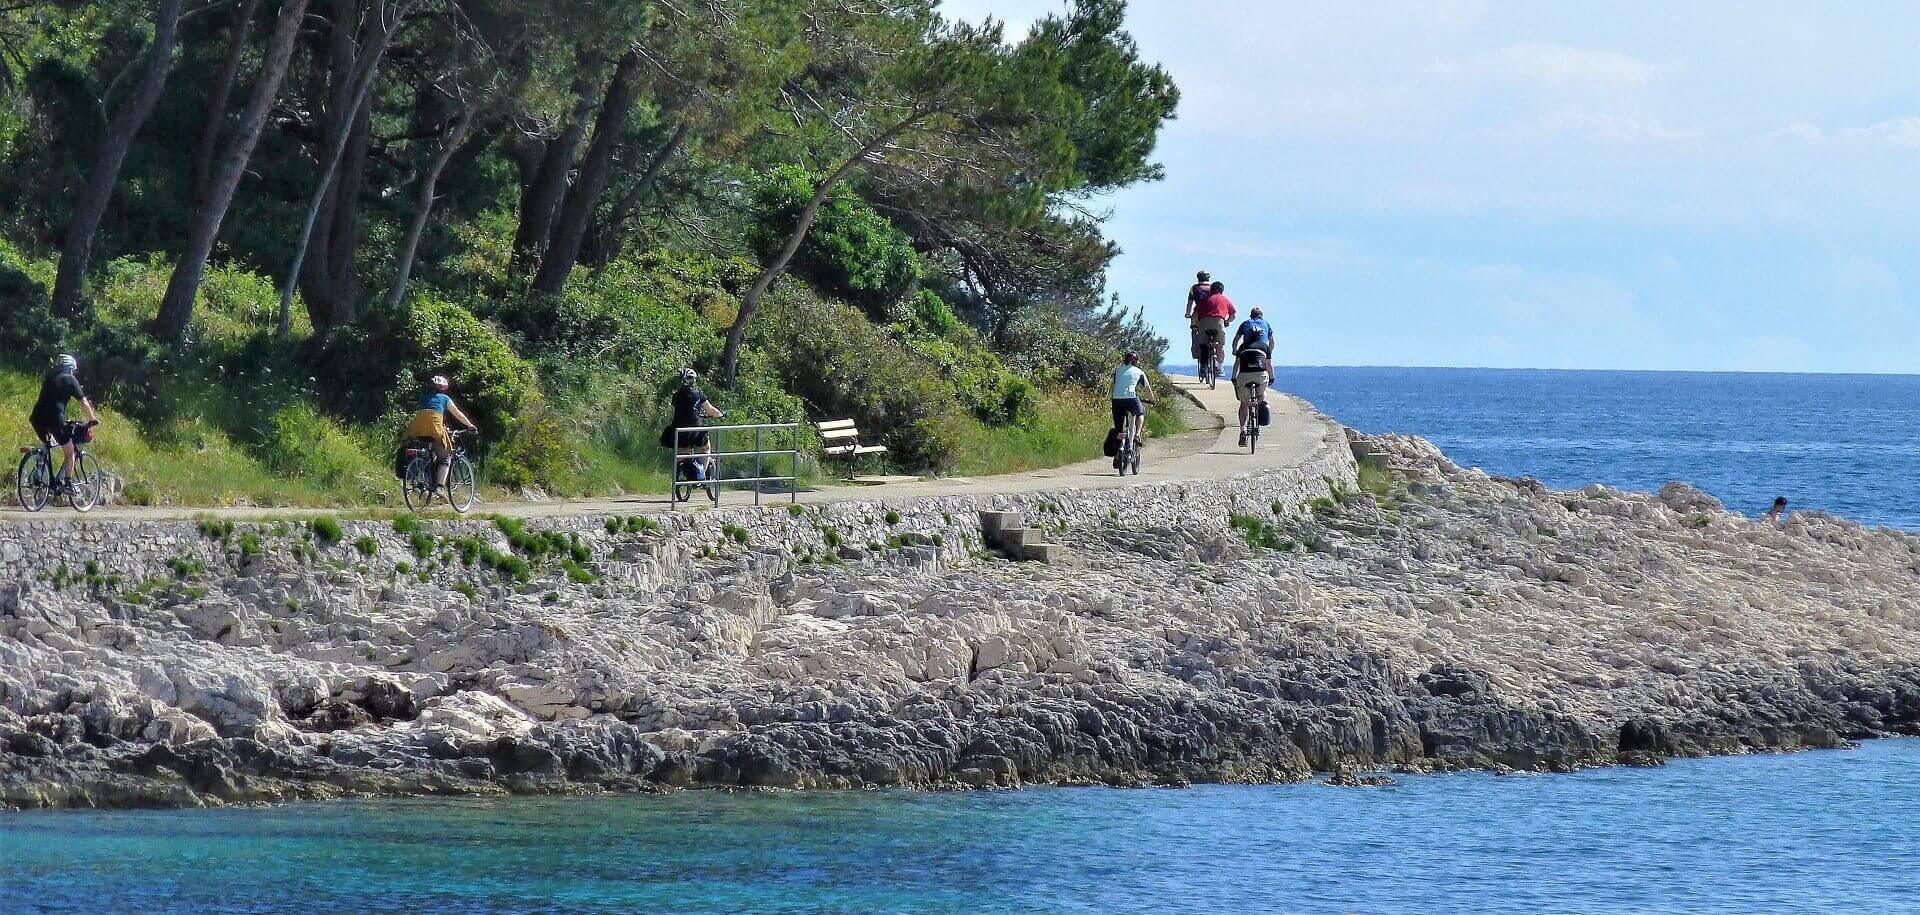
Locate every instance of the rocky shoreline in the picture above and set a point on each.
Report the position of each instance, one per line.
(1415, 617)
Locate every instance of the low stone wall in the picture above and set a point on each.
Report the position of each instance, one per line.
(118, 555)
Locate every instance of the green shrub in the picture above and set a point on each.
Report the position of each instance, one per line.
(1258, 532)
(326, 530)
(299, 442)
(930, 316)
(541, 451)
(851, 252)
(367, 546)
(844, 366)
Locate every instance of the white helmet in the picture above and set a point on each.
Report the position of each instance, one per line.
(66, 363)
(689, 376)
(440, 382)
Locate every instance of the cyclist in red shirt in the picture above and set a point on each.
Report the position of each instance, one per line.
(1212, 316)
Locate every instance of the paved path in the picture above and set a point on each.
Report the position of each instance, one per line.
(1208, 451)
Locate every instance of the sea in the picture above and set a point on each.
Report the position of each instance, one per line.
(1820, 831)
(1823, 831)
(1844, 444)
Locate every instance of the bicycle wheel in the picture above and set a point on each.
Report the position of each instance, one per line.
(84, 494)
(462, 490)
(33, 484)
(417, 488)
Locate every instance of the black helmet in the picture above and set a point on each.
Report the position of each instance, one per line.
(1254, 313)
(1203, 276)
(1131, 358)
(1219, 286)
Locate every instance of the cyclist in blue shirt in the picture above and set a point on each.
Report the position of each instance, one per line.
(1254, 332)
(1252, 363)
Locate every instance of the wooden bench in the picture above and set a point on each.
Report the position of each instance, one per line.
(841, 438)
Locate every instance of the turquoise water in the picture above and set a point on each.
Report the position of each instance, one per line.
(1833, 831)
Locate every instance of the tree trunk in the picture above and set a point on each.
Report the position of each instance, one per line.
(77, 248)
(217, 100)
(730, 355)
(543, 196)
(563, 248)
(176, 309)
(403, 267)
(608, 242)
(366, 72)
(325, 286)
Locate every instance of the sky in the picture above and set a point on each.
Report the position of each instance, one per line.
(1631, 185)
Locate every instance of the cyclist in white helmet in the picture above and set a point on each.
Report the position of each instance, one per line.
(430, 424)
(49, 417)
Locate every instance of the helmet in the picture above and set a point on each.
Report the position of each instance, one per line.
(689, 376)
(1219, 286)
(1254, 313)
(1132, 358)
(1203, 276)
(440, 382)
(66, 363)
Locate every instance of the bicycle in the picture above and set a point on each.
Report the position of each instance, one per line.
(699, 473)
(1127, 454)
(1210, 363)
(34, 484)
(1250, 427)
(419, 488)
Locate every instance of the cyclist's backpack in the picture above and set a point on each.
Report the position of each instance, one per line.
(1112, 447)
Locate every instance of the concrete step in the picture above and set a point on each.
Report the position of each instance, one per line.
(993, 522)
(1015, 539)
(1041, 552)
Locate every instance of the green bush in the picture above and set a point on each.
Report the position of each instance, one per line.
(994, 395)
(930, 316)
(842, 365)
(851, 252)
(299, 442)
(326, 530)
(30, 336)
(438, 336)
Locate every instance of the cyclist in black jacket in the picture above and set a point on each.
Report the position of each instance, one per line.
(49, 416)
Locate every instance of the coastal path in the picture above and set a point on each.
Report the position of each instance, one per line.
(1206, 451)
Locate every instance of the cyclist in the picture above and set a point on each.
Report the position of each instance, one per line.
(1254, 331)
(49, 417)
(691, 410)
(430, 424)
(1213, 315)
(1129, 384)
(1252, 363)
(1196, 295)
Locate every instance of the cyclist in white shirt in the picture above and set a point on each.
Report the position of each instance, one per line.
(1129, 384)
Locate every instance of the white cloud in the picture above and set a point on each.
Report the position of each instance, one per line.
(1893, 132)
(1600, 127)
(1539, 63)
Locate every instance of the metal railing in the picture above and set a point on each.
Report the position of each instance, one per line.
(716, 463)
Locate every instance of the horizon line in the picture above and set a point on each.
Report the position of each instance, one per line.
(1621, 371)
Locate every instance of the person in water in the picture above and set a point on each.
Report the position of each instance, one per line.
(1778, 510)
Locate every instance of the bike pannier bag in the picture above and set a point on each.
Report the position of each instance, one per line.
(400, 463)
(1266, 415)
(1112, 447)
